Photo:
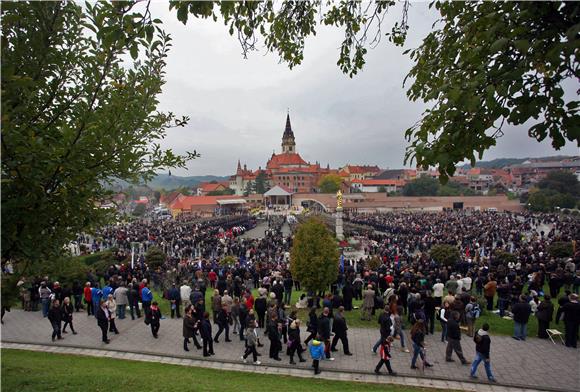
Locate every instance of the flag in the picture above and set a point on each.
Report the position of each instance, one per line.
(341, 263)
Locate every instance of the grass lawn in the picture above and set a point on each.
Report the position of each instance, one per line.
(36, 371)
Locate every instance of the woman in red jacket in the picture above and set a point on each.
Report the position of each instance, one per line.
(88, 299)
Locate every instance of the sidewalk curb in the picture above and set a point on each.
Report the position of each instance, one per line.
(328, 374)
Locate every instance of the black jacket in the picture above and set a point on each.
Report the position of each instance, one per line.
(453, 330)
(521, 312)
(260, 305)
(385, 322)
(339, 326)
(102, 319)
(55, 314)
(545, 311)
(572, 313)
(324, 327)
(482, 344)
(205, 329)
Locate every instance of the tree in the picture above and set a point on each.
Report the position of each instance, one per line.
(249, 188)
(454, 189)
(374, 263)
(562, 182)
(330, 183)
(79, 110)
(222, 192)
(154, 257)
(561, 249)
(422, 186)
(314, 256)
(228, 260)
(139, 210)
(487, 65)
(262, 183)
(444, 254)
(504, 257)
(491, 64)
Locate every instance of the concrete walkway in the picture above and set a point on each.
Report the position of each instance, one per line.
(533, 365)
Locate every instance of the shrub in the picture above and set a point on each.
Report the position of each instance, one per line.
(561, 249)
(155, 257)
(445, 254)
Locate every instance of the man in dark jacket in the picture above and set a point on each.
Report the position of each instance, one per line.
(544, 314)
(482, 348)
(223, 324)
(205, 332)
(174, 297)
(260, 306)
(386, 327)
(274, 331)
(521, 313)
(572, 320)
(339, 327)
(454, 339)
(55, 318)
(324, 331)
(102, 315)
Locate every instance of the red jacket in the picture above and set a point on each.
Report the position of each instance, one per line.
(385, 351)
(88, 295)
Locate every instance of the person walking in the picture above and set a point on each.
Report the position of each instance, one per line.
(260, 306)
(521, 314)
(324, 331)
(544, 314)
(472, 313)
(133, 298)
(44, 293)
(223, 324)
(206, 335)
(316, 349)
(146, 297)
(312, 326)
(189, 325)
(339, 328)
(153, 317)
(112, 306)
(454, 339)
(67, 315)
(102, 316)
(385, 355)
(294, 343)
(274, 331)
(54, 315)
(251, 341)
(418, 339)
(386, 328)
(482, 349)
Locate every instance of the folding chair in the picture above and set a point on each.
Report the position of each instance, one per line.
(554, 332)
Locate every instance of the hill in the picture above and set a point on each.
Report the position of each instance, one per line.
(503, 162)
(167, 182)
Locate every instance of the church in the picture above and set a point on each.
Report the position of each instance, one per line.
(287, 170)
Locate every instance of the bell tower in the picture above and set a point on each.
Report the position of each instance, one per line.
(288, 142)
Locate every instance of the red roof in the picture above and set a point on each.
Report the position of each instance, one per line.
(285, 159)
(210, 187)
(379, 182)
(189, 201)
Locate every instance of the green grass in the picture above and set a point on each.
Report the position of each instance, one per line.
(37, 371)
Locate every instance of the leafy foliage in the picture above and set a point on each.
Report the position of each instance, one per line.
(444, 254)
(228, 260)
(374, 262)
(561, 249)
(558, 189)
(79, 109)
(227, 191)
(314, 256)
(155, 257)
(330, 183)
(562, 182)
(262, 183)
(422, 186)
(504, 257)
(492, 63)
(139, 210)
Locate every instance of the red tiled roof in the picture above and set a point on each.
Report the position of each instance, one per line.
(379, 182)
(278, 160)
(189, 201)
(209, 187)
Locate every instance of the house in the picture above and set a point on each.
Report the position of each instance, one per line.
(204, 188)
(375, 185)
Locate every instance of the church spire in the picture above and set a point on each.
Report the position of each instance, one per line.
(239, 169)
(288, 142)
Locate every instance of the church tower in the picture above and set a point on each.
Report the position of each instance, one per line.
(288, 142)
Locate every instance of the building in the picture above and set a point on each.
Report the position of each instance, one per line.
(530, 172)
(374, 185)
(204, 188)
(287, 169)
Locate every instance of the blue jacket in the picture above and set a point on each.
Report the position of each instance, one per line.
(174, 294)
(96, 295)
(316, 350)
(146, 295)
(106, 291)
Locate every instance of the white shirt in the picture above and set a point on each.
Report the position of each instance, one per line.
(467, 283)
(185, 292)
(438, 290)
(459, 285)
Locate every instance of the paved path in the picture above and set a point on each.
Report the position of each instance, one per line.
(535, 364)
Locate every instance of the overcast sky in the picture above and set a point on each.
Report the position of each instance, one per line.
(238, 106)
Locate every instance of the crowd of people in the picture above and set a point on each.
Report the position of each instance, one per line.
(251, 297)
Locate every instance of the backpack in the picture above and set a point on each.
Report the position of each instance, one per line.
(475, 311)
